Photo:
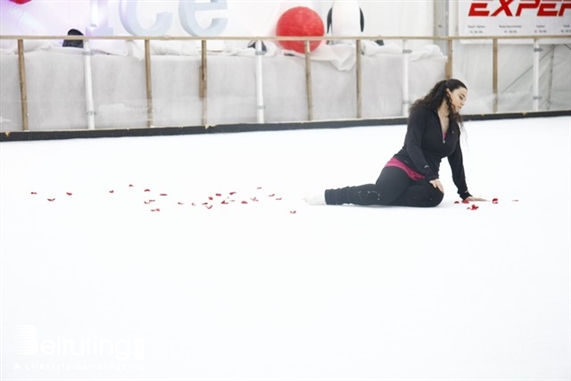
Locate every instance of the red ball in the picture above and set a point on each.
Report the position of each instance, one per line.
(300, 21)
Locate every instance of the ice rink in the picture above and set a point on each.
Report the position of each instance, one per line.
(194, 258)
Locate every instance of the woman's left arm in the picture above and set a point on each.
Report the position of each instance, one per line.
(458, 175)
(472, 198)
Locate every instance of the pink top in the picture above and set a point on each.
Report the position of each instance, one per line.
(414, 175)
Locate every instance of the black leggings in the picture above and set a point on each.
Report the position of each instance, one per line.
(393, 187)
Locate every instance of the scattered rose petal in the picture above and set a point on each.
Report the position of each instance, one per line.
(292, 211)
(147, 190)
(278, 198)
(473, 207)
(111, 191)
(218, 194)
(244, 202)
(232, 193)
(204, 203)
(68, 193)
(515, 200)
(271, 195)
(163, 194)
(210, 198)
(209, 207)
(155, 210)
(494, 201)
(224, 202)
(254, 199)
(51, 199)
(193, 204)
(259, 188)
(131, 185)
(149, 201)
(465, 202)
(180, 203)
(34, 192)
(456, 202)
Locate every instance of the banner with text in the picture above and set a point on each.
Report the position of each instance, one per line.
(514, 18)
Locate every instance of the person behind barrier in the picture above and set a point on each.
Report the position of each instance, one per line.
(410, 177)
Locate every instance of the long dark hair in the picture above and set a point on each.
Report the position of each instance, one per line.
(434, 98)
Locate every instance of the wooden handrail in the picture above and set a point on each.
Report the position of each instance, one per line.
(282, 38)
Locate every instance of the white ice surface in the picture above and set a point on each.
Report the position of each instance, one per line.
(257, 292)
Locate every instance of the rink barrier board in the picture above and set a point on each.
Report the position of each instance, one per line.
(246, 127)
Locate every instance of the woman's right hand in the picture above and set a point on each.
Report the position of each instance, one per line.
(437, 184)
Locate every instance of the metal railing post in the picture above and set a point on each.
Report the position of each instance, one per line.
(495, 75)
(405, 78)
(536, 95)
(260, 108)
(308, 86)
(203, 90)
(89, 103)
(359, 79)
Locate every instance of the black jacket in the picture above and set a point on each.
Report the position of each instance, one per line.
(424, 147)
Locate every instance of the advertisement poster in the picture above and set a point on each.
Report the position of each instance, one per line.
(514, 18)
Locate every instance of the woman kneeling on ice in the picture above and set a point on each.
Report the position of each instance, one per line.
(410, 178)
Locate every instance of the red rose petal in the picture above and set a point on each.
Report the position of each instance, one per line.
(155, 210)
(218, 194)
(271, 195)
(131, 185)
(278, 198)
(68, 193)
(244, 202)
(111, 191)
(180, 203)
(210, 198)
(494, 201)
(34, 193)
(193, 204)
(204, 203)
(465, 202)
(515, 200)
(163, 194)
(473, 207)
(259, 188)
(456, 202)
(147, 190)
(224, 202)
(232, 193)
(51, 199)
(254, 199)
(292, 211)
(209, 207)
